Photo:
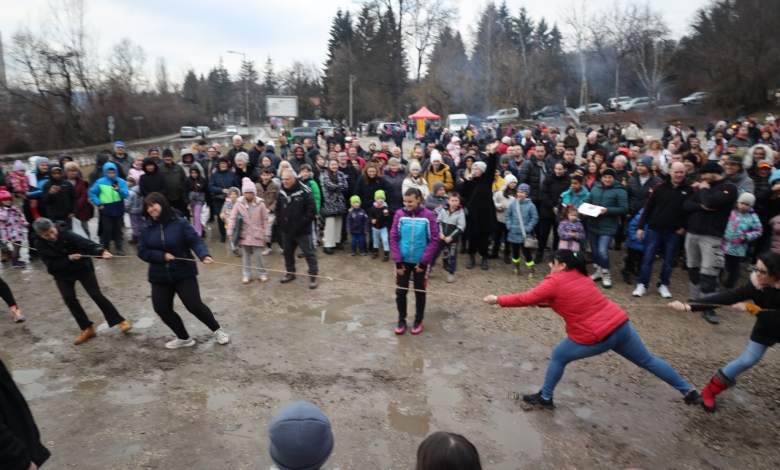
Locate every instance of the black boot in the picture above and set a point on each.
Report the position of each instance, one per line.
(536, 399)
(375, 254)
(472, 262)
(627, 278)
(507, 257)
(386, 256)
(484, 264)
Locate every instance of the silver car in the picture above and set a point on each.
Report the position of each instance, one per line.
(188, 132)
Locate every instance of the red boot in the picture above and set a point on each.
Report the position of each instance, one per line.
(717, 384)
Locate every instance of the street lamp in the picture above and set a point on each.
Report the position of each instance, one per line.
(246, 88)
(352, 78)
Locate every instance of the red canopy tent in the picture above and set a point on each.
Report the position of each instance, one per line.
(424, 113)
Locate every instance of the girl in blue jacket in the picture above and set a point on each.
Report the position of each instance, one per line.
(166, 238)
(414, 238)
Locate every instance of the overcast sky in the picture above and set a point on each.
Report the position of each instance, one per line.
(195, 33)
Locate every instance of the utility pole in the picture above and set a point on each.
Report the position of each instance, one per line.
(352, 78)
(246, 89)
(138, 120)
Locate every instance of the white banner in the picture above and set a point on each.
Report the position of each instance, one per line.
(281, 106)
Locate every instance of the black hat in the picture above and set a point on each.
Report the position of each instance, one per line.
(609, 172)
(711, 167)
(167, 153)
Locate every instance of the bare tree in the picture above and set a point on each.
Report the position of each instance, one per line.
(650, 48)
(126, 66)
(612, 32)
(426, 21)
(577, 22)
(163, 86)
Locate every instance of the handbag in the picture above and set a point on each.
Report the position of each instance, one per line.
(528, 242)
(237, 229)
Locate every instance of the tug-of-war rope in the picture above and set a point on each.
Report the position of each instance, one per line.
(753, 308)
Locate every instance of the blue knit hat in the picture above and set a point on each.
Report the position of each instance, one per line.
(775, 176)
(524, 188)
(301, 437)
(647, 161)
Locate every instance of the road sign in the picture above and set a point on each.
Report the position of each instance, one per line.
(111, 119)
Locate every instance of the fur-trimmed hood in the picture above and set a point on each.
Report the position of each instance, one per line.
(747, 162)
(754, 280)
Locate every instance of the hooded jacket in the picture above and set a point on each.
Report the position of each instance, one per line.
(152, 181)
(414, 236)
(638, 192)
(125, 163)
(174, 180)
(255, 227)
(358, 221)
(102, 193)
(177, 237)
(195, 189)
(530, 216)
(134, 204)
(97, 172)
(188, 162)
(295, 210)
(451, 224)
(55, 255)
(333, 201)
(86, 209)
(720, 196)
(222, 180)
(444, 175)
(269, 194)
(552, 189)
(569, 197)
(395, 198)
(62, 203)
(615, 200)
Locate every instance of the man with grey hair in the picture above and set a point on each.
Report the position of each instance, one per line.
(311, 149)
(68, 257)
(591, 145)
(295, 212)
(238, 146)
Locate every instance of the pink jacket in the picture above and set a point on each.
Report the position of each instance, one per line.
(774, 226)
(255, 229)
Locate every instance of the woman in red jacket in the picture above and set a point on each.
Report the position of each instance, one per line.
(594, 325)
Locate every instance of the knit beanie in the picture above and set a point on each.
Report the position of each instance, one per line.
(118, 143)
(394, 161)
(524, 188)
(437, 186)
(435, 156)
(19, 166)
(301, 437)
(414, 165)
(711, 167)
(379, 193)
(234, 189)
(509, 178)
(41, 160)
(647, 161)
(4, 194)
(354, 199)
(481, 165)
(744, 198)
(505, 159)
(609, 172)
(248, 185)
(168, 153)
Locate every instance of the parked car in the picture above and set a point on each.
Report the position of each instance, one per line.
(300, 133)
(315, 123)
(231, 130)
(643, 102)
(188, 132)
(593, 108)
(457, 121)
(504, 116)
(553, 110)
(612, 103)
(476, 121)
(695, 98)
(203, 131)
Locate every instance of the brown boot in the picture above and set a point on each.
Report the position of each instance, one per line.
(85, 335)
(125, 326)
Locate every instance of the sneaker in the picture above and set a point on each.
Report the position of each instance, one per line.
(664, 291)
(450, 278)
(263, 278)
(222, 337)
(287, 278)
(627, 277)
(301, 255)
(125, 326)
(18, 317)
(245, 280)
(606, 279)
(236, 253)
(375, 255)
(401, 328)
(312, 282)
(363, 253)
(710, 316)
(180, 343)
(639, 291)
(16, 263)
(597, 274)
(692, 398)
(536, 399)
(531, 275)
(120, 253)
(85, 335)
(353, 254)
(267, 252)
(417, 327)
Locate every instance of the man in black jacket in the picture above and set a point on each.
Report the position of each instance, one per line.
(20, 442)
(533, 172)
(254, 154)
(60, 196)
(709, 212)
(295, 212)
(639, 186)
(666, 221)
(238, 147)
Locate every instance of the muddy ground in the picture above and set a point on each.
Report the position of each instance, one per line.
(124, 401)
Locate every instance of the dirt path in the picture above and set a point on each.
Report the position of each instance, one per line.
(121, 402)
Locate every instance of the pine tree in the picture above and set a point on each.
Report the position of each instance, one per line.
(270, 83)
(220, 87)
(190, 90)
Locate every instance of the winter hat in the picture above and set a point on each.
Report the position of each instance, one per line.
(734, 158)
(4, 194)
(393, 161)
(507, 140)
(184, 152)
(270, 144)
(524, 188)
(744, 198)
(248, 185)
(506, 159)
(435, 156)
(118, 143)
(509, 178)
(711, 167)
(774, 177)
(481, 165)
(301, 437)
(41, 160)
(455, 138)
(609, 172)
(692, 158)
(354, 199)
(437, 186)
(167, 153)
(379, 193)
(19, 166)
(414, 165)
(647, 161)
(234, 189)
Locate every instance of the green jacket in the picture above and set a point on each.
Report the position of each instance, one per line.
(174, 180)
(615, 199)
(315, 191)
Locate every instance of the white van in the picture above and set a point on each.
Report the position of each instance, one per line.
(456, 121)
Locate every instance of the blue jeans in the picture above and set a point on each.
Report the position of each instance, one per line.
(624, 341)
(358, 242)
(652, 241)
(599, 245)
(380, 233)
(748, 359)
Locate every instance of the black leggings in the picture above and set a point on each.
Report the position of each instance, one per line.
(5, 292)
(516, 247)
(545, 225)
(497, 236)
(90, 284)
(189, 294)
(420, 281)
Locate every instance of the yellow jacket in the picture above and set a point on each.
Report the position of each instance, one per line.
(443, 176)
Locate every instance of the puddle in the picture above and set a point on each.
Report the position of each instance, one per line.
(34, 391)
(27, 376)
(332, 312)
(441, 394)
(402, 419)
(352, 326)
(513, 433)
(130, 397)
(144, 322)
(527, 366)
(197, 398)
(219, 400)
(583, 413)
(130, 450)
(418, 365)
(97, 384)
(385, 333)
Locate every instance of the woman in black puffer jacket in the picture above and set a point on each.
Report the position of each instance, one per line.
(164, 241)
(553, 186)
